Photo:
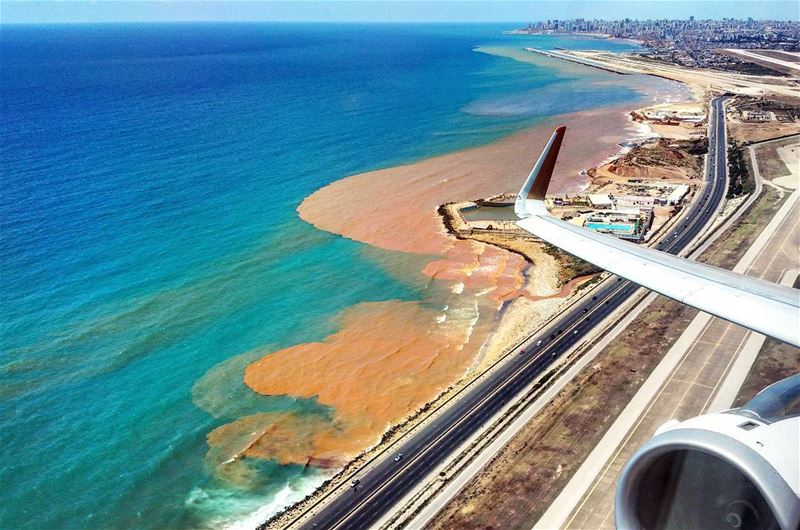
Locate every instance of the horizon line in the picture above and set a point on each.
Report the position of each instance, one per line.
(344, 21)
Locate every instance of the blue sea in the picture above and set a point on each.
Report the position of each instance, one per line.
(149, 241)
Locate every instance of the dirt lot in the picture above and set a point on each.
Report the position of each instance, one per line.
(769, 163)
(518, 486)
(659, 160)
(758, 132)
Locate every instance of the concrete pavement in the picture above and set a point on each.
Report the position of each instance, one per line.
(687, 383)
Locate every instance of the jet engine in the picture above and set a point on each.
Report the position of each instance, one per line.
(734, 469)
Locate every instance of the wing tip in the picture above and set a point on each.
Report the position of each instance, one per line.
(535, 186)
(550, 155)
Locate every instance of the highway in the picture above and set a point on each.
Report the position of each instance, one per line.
(388, 480)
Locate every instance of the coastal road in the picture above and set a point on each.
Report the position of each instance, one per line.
(388, 480)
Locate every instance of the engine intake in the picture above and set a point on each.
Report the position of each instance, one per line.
(729, 470)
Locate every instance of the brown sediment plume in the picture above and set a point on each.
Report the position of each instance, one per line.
(480, 266)
(390, 358)
(395, 208)
(280, 435)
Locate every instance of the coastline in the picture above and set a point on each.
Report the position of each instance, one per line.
(280, 356)
(701, 81)
(396, 209)
(478, 299)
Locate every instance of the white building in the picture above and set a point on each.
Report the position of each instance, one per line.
(677, 194)
(600, 201)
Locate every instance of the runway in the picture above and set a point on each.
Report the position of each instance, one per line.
(707, 353)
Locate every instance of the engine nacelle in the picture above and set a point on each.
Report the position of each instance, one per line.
(734, 469)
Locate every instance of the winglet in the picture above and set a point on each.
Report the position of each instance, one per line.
(535, 186)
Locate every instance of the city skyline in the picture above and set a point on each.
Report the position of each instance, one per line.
(381, 11)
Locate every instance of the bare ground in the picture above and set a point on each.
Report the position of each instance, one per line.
(661, 159)
(769, 162)
(775, 361)
(758, 132)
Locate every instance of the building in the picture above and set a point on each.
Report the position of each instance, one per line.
(566, 200)
(600, 201)
(676, 195)
(757, 115)
(675, 116)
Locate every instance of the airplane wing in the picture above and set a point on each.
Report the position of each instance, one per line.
(756, 304)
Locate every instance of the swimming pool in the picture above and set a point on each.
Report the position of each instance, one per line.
(611, 227)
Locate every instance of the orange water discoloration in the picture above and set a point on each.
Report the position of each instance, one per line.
(281, 436)
(395, 208)
(389, 358)
(480, 267)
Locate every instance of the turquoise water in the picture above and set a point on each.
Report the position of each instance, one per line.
(151, 249)
(612, 227)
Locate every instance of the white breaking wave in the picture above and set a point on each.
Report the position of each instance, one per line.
(225, 508)
(476, 314)
(281, 500)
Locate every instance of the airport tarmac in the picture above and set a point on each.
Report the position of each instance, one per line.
(691, 387)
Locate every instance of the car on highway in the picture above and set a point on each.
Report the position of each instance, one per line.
(354, 483)
(399, 457)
